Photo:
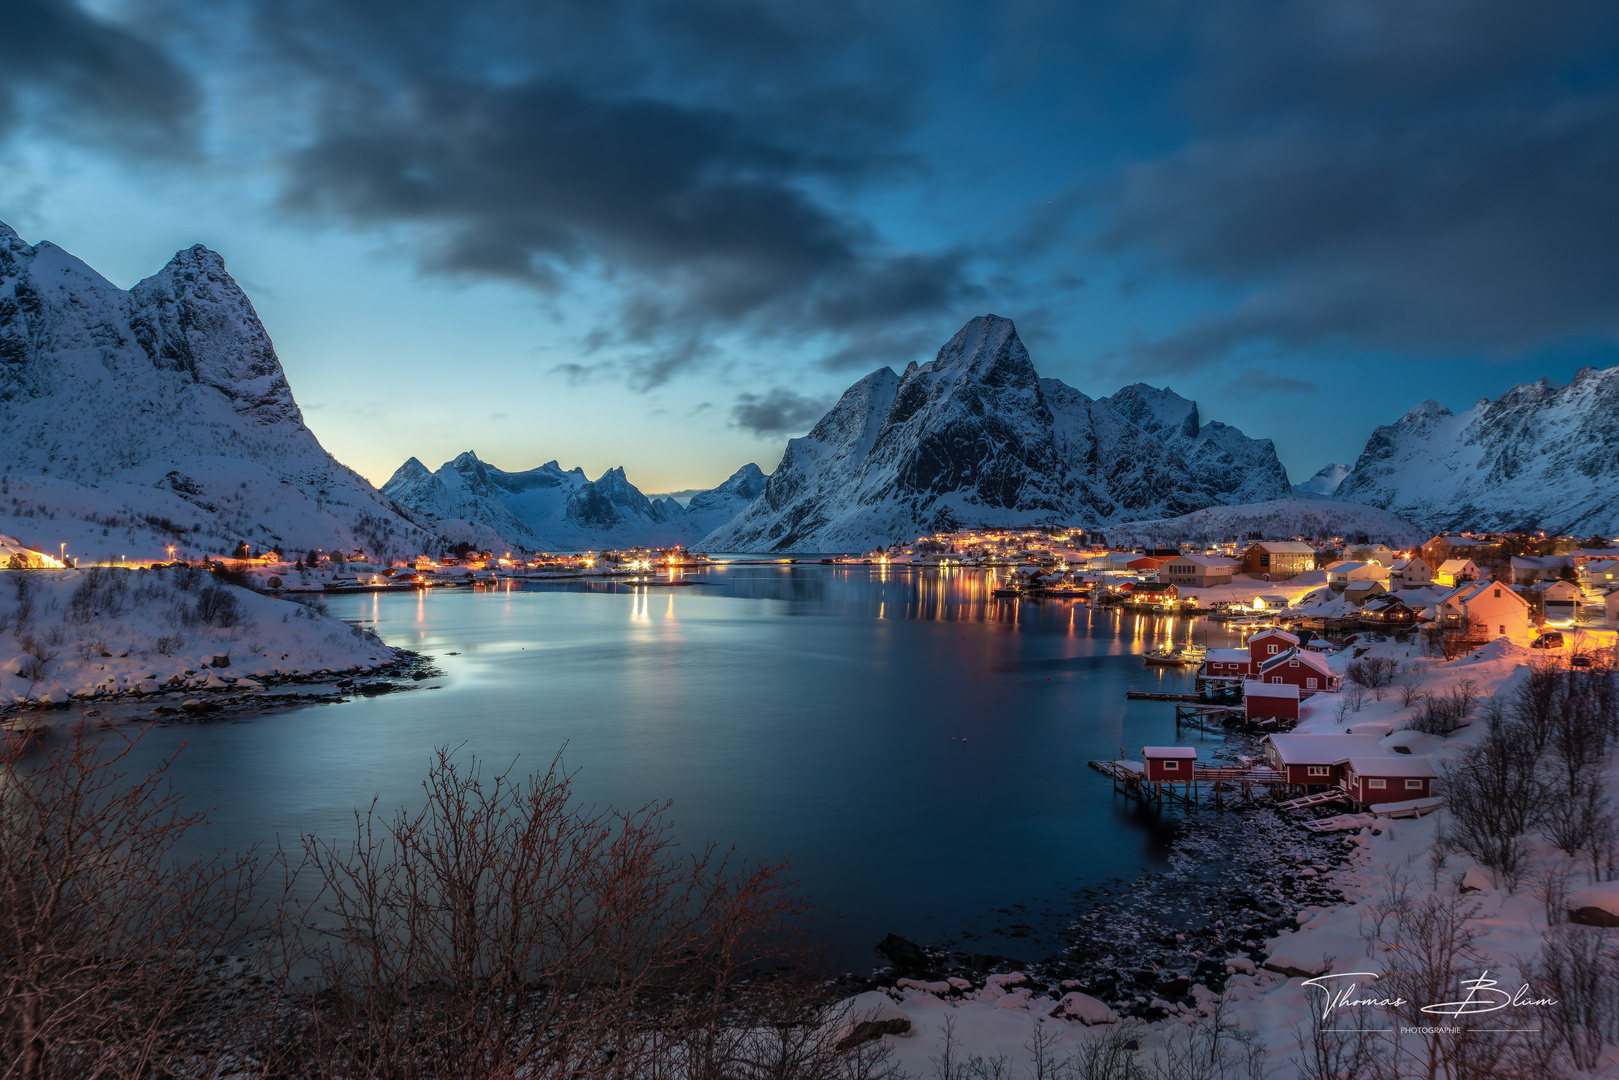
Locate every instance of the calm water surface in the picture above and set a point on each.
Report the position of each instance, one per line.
(915, 746)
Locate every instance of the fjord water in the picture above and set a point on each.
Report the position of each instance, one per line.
(917, 747)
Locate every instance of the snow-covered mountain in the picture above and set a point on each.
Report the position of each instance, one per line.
(551, 508)
(1276, 519)
(975, 436)
(1541, 456)
(1324, 483)
(135, 420)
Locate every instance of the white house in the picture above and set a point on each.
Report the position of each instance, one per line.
(1198, 571)
(1599, 575)
(1455, 571)
(1344, 571)
(1560, 600)
(1410, 573)
(1487, 609)
(1528, 569)
(1613, 610)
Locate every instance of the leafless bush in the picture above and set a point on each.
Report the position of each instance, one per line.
(100, 591)
(1371, 672)
(107, 944)
(217, 606)
(1442, 714)
(185, 577)
(1576, 811)
(168, 644)
(1493, 792)
(501, 932)
(1576, 968)
(1109, 1054)
(1354, 695)
(36, 662)
(1552, 892)
(1209, 1049)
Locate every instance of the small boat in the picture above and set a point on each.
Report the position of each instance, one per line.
(1195, 654)
(1013, 591)
(1166, 657)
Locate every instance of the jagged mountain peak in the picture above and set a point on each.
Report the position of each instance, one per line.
(1158, 409)
(1543, 455)
(976, 436)
(165, 403)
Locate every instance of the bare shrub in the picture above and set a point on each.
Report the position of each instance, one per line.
(1493, 793)
(169, 644)
(107, 943)
(501, 931)
(217, 606)
(1109, 1054)
(1576, 967)
(1575, 812)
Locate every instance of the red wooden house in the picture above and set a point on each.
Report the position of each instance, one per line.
(1172, 763)
(1388, 778)
(1305, 670)
(1318, 760)
(1270, 701)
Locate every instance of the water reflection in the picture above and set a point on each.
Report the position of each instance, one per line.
(915, 744)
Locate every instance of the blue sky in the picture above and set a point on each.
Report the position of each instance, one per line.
(667, 235)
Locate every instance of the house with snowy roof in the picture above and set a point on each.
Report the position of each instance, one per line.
(1599, 575)
(1485, 610)
(1277, 560)
(1412, 573)
(1453, 572)
(1559, 600)
(1306, 670)
(1528, 569)
(1198, 571)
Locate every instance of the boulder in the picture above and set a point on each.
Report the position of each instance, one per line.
(904, 954)
(1306, 955)
(871, 1016)
(1084, 1008)
(1595, 905)
(221, 660)
(1477, 879)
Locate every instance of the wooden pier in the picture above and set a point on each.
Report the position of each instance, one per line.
(1219, 781)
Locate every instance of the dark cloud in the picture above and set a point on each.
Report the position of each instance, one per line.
(779, 412)
(693, 156)
(77, 75)
(1427, 178)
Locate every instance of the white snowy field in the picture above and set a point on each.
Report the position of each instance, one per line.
(1396, 874)
(107, 630)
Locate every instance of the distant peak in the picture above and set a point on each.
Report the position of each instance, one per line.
(1426, 410)
(8, 233)
(465, 457)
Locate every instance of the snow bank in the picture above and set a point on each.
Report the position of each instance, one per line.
(106, 631)
(1314, 952)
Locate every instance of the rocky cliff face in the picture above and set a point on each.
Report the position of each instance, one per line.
(975, 436)
(1541, 456)
(162, 415)
(550, 508)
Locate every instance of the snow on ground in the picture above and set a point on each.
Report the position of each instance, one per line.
(106, 630)
(1397, 861)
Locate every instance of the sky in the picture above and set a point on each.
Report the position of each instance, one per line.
(667, 235)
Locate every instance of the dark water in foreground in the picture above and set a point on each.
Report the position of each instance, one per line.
(917, 747)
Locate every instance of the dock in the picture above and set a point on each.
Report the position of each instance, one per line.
(1219, 781)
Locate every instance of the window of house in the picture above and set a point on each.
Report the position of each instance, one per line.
(1413, 785)
(1292, 663)
(1309, 684)
(1275, 678)
(1498, 594)
(1500, 630)
(1272, 649)
(1172, 764)
(1377, 783)
(1320, 770)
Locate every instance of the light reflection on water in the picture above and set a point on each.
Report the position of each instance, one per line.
(916, 746)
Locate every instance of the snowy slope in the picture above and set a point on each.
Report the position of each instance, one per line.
(1276, 519)
(1541, 456)
(79, 633)
(549, 508)
(1324, 483)
(977, 437)
(135, 420)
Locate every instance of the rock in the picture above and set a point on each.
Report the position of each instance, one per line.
(1595, 905)
(904, 954)
(1477, 879)
(373, 688)
(1084, 1008)
(1012, 1001)
(221, 660)
(1309, 954)
(872, 1015)
(1008, 979)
